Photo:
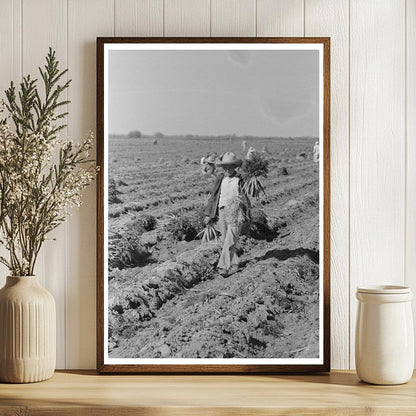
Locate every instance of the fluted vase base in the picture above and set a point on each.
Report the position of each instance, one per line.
(27, 331)
(26, 371)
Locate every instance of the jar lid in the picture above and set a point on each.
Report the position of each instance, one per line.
(384, 289)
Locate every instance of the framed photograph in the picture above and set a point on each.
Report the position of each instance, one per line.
(213, 205)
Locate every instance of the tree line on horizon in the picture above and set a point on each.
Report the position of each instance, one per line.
(136, 134)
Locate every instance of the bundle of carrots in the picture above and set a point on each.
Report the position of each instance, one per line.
(252, 170)
(209, 233)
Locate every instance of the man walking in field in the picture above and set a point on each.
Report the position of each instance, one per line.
(230, 204)
(316, 152)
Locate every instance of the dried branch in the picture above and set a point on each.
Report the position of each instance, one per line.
(36, 193)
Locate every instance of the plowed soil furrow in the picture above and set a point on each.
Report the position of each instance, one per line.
(268, 309)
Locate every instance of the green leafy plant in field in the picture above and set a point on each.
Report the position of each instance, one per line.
(259, 226)
(180, 227)
(113, 192)
(142, 223)
(196, 217)
(128, 251)
(252, 170)
(202, 270)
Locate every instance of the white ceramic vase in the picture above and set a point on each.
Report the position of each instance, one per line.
(384, 352)
(27, 331)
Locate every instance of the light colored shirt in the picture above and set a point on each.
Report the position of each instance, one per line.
(229, 190)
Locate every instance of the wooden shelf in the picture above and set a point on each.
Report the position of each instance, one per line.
(86, 393)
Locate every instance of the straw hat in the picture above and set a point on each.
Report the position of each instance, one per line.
(229, 159)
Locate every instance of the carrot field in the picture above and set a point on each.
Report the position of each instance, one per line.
(165, 297)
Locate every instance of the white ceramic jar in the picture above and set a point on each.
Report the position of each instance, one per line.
(384, 352)
(27, 331)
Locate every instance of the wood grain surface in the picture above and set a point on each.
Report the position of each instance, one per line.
(81, 259)
(377, 148)
(85, 393)
(11, 64)
(280, 18)
(331, 17)
(410, 232)
(187, 18)
(379, 103)
(35, 44)
(138, 17)
(233, 18)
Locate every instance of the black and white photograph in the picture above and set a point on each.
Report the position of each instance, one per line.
(213, 204)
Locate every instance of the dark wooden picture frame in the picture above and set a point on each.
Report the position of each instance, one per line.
(104, 367)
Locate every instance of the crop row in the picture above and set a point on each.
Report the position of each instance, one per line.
(160, 208)
(155, 171)
(189, 178)
(195, 188)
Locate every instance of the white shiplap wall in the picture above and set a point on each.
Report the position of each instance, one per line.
(373, 132)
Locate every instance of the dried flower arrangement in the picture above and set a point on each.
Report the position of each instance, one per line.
(41, 174)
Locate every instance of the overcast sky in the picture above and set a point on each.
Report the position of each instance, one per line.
(264, 93)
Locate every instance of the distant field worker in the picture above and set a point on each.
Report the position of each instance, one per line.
(208, 164)
(244, 144)
(154, 141)
(229, 204)
(250, 154)
(316, 152)
(265, 150)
